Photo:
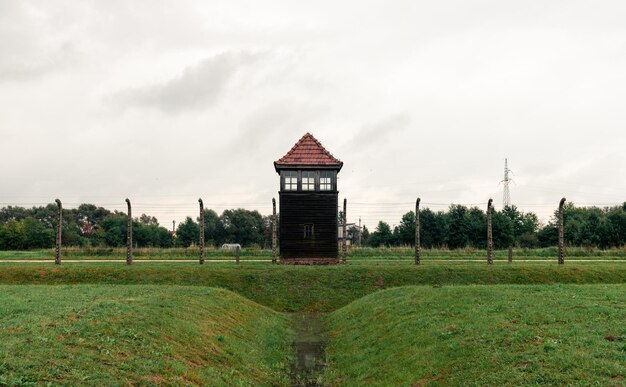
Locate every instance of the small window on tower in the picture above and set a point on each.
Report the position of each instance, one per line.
(308, 181)
(291, 181)
(326, 181)
(308, 231)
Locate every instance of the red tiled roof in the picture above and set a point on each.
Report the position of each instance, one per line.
(308, 152)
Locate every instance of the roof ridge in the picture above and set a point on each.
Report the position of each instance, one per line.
(308, 150)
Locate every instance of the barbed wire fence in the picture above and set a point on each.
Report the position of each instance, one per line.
(370, 212)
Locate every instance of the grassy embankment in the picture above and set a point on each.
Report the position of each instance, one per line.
(488, 335)
(114, 335)
(355, 253)
(298, 288)
(483, 335)
(548, 332)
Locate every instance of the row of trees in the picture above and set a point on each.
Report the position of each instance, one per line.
(233, 226)
(461, 226)
(458, 227)
(89, 225)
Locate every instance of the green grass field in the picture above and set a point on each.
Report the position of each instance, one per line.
(355, 253)
(387, 324)
(120, 335)
(481, 335)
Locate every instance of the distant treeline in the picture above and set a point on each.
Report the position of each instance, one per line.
(461, 227)
(458, 227)
(90, 225)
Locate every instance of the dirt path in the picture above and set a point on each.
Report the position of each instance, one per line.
(269, 260)
(309, 345)
(123, 260)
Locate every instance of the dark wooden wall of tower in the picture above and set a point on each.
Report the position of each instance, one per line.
(316, 208)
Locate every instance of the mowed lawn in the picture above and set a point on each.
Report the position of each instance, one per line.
(121, 335)
(481, 335)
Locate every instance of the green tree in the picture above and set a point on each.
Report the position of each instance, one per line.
(165, 238)
(616, 216)
(212, 227)
(91, 213)
(115, 226)
(71, 234)
(242, 226)
(503, 231)
(457, 227)
(12, 213)
(433, 228)
(548, 235)
(151, 235)
(187, 233)
(382, 236)
(36, 235)
(406, 230)
(12, 236)
(476, 227)
(148, 220)
(46, 215)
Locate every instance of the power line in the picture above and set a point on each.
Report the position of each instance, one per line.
(391, 206)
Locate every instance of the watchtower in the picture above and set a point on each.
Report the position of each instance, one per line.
(308, 203)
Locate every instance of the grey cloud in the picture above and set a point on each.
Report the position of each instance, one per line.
(284, 120)
(418, 97)
(26, 67)
(375, 133)
(29, 48)
(199, 86)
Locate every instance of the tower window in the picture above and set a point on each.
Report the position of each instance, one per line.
(308, 181)
(326, 181)
(291, 181)
(308, 231)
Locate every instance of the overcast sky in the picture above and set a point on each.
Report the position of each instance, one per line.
(165, 102)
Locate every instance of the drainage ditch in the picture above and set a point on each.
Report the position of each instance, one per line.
(309, 346)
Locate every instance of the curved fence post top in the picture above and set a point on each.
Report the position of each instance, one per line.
(58, 202)
(562, 202)
(490, 203)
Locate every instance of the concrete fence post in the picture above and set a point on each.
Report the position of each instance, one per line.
(237, 252)
(489, 233)
(510, 254)
(273, 230)
(561, 234)
(344, 248)
(57, 248)
(201, 220)
(417, 232)
(129, 235)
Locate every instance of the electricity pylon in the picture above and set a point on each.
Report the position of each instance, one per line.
(506, 199)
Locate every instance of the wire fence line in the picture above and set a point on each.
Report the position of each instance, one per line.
(369, 212)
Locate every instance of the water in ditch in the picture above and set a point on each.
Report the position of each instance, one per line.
(309, 346)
